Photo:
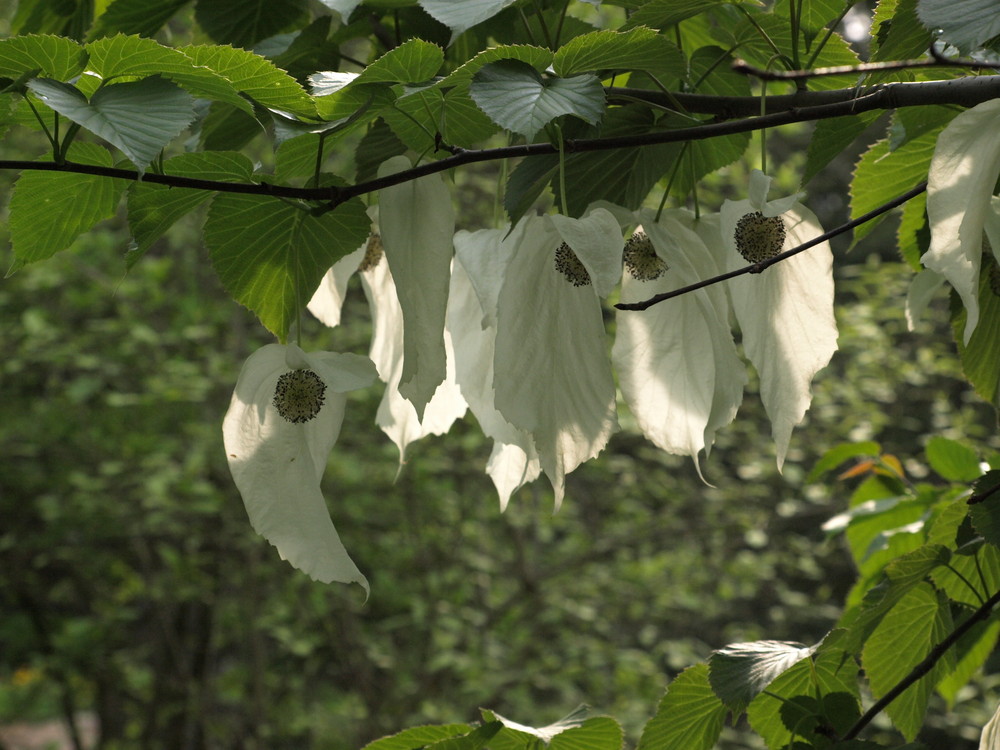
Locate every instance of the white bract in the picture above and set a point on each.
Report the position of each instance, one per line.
(277, 464)
(786, 312)
(396, 416)
(481, 260)
(552, 375)
(960, 206)
(677, 364)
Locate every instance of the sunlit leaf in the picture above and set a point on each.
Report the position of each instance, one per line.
(51, 56)
(901, 641)
(271, 256)
(49, 210)
(140, 117)
(689, 716)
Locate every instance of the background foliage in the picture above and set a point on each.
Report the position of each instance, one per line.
(133, 587)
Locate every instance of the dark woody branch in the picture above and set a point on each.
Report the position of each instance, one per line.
(781, 110)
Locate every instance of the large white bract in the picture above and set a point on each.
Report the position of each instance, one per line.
(960, 205)
(278, 465)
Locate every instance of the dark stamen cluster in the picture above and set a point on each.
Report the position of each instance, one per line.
(373, 253)
(570, 266)
(641, 259)
(759, 237)
(298, 396)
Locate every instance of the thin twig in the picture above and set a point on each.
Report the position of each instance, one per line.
(985, 494)
(758, 267)
(742, 66)
(964, 92)
(923, 667)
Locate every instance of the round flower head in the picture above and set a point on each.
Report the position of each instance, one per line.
(373, 253)
(758, 237)
(298, 396)
(570, 266)
(641, 260)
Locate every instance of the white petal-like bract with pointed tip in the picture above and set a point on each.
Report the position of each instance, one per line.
(277, 464)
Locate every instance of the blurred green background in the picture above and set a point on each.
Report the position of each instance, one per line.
(133, 588)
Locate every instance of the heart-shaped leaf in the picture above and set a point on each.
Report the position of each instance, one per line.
(518, 98)
(140, 117)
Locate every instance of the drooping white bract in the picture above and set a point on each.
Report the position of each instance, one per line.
(677, 363)
(960, 182)
(417, 223)
(480, 264)
(277, 464)
(786, 312)
(552, 374)
(396, 416)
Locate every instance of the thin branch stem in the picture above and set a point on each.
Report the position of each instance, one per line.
(758, 267)
(923, 667)
(964, 92)
(741, 66)
(984, 495)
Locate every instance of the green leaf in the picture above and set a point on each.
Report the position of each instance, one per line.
(271, 256)
(901, 575)
(518, 99)
(474, 740)
(902, 640)
(411, 62)
(226, 128)
(659, 14)
(815, 14)
(840, 453)
(415, 737)
(140, 117)
(378, 145)
(689, 716)
(882, 174)
(971, 652)
(830, 137)
(526, 183)
(572, 732)
(740, 671)
(639, 49)
(986, 514)
(830, 672)
(256, 77)
(245, 22)
(622, 176)
(912, 236)
(152, 209)
(49, 210)
(464, 15)
(970, 578)
(981, 356)
(963, 23)
(597, 733)
(815, 720)
(141, 17)
(952, 460)
(901, 36)
(48, 56)
(135, 56)
(537, 57)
